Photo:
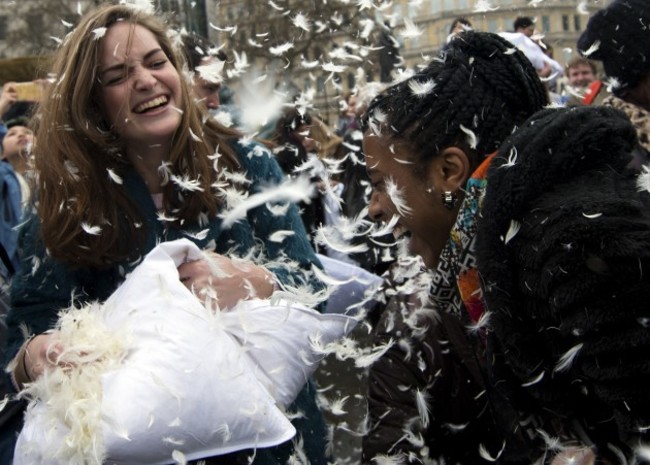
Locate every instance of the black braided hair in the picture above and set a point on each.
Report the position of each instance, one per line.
(480, 82)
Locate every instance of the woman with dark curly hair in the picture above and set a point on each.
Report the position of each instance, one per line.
(427, 142)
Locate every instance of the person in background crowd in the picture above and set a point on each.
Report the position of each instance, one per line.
(125, 159)
(7, 99)
(427, 142)
(206, 65)
(16, 150)
(356, 189)
(12, 108)
(524, 25)
(293, 146)
(581, 72)
(459, 25)
(583, 86)
(347, 115)
(15, 189)
(618, 37)
(563, 245)
(535, 51)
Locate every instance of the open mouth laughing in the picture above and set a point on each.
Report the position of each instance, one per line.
(151, 105)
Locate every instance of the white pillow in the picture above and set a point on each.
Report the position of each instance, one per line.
(354, 287)
(161, 377)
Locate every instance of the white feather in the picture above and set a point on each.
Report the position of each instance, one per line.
(179, 457)
(376, 352)
(472, 139)
(595, 46)
(185, 183)
(582, 8)
(114, 177)
(99, 32)
(410, 29)
(482, 322)
(513, 229)
(643, 180)
(279, 236)
(212, 72)
(565, 362)
(486, 455)
(535, 380)
(297, 190)
(421, 88)
(484, 6)
(281, 49)
(422, 402)
(397, 197)
(92, 230)
(302, 22)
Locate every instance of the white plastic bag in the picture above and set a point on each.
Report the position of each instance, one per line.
(187, 383)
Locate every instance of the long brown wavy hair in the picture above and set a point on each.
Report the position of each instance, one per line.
(75, 149)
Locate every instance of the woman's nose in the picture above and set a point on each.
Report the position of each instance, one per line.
(144, 79)
(374, 207)
(212, 101)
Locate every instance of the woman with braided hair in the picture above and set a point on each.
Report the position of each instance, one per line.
(427, 142)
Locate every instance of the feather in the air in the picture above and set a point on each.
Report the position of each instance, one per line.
(294, 190)
(512, 231)
(301, 21)
(582, 7)
(212, 72)
(376, 352)
(114, 177)
(99, 32)
(535, 380)
(472, 139)
(595, 46)
(567, 359)
(421, 88)
(512, 158)
(422, 401)
(92, 230)
(397, 197)
(552, 443)
(483, 452)
(482, 323)
(179, 457)
(232, 30)
(279, 236)
(186, 184)
(643, 179)
(333, 68)
(410, 29)
(281, 49)
(484, 6)
(383, 459)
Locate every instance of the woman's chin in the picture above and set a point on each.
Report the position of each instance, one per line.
(429, 257)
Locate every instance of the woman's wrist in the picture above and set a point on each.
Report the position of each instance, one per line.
(20, 372)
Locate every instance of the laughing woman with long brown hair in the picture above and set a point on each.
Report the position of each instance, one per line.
(125, 160)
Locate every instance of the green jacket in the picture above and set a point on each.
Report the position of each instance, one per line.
(43, 286)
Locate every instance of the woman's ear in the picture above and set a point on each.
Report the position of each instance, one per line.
(450, 170)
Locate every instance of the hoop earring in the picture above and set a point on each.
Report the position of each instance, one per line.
(449, 199)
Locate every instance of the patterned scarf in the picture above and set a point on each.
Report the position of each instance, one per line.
(639, 117)
(456, 281)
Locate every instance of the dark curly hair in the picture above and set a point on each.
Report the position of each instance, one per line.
(479, 83)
